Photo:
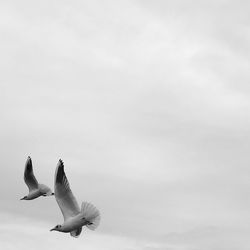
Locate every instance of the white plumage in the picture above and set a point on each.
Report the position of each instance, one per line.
(35, 189)
(74, 217)
(91, 213)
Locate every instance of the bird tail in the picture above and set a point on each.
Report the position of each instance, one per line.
(91, 214)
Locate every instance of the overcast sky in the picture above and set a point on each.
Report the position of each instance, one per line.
(147, 103)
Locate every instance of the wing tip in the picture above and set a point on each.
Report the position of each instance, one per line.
(61, 162)
(60, 171)
(28, 163)
(60, 165)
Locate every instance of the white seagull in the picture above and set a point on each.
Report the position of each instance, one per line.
(74, 217)
(35, 189)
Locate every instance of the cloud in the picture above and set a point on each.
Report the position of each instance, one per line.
(29, 233)
(147, 104)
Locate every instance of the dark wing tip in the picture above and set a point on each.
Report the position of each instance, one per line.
(29, 159)
(60, 172)
(29, 164)
(61, 162)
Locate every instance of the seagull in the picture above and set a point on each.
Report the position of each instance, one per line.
(74, 217)
(35, 189)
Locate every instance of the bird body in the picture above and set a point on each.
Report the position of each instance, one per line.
(45, 191)
(73, 223)
(74, 217)
(33, 194)
(35, 189)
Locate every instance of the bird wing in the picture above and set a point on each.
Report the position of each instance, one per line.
(29, 177)
(63, 193)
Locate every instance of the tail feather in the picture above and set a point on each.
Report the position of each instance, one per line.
(91, 214)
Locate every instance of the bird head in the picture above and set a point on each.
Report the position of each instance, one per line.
(24, 198)
(56, 228)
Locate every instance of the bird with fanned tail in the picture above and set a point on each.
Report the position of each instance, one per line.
(74, 217)
(35, 189)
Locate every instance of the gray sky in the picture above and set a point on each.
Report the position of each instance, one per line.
(148, 104)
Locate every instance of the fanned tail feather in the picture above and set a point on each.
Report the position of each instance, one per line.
(91, 214)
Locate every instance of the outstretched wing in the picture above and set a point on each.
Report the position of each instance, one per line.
(63, 193)
(29, 177)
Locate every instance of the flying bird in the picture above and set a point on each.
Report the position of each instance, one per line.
(35, 189)
(74, 217)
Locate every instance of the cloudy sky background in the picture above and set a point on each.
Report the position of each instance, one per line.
(148, 104)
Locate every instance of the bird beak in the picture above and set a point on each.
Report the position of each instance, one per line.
(22, 199)
(53, 229)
